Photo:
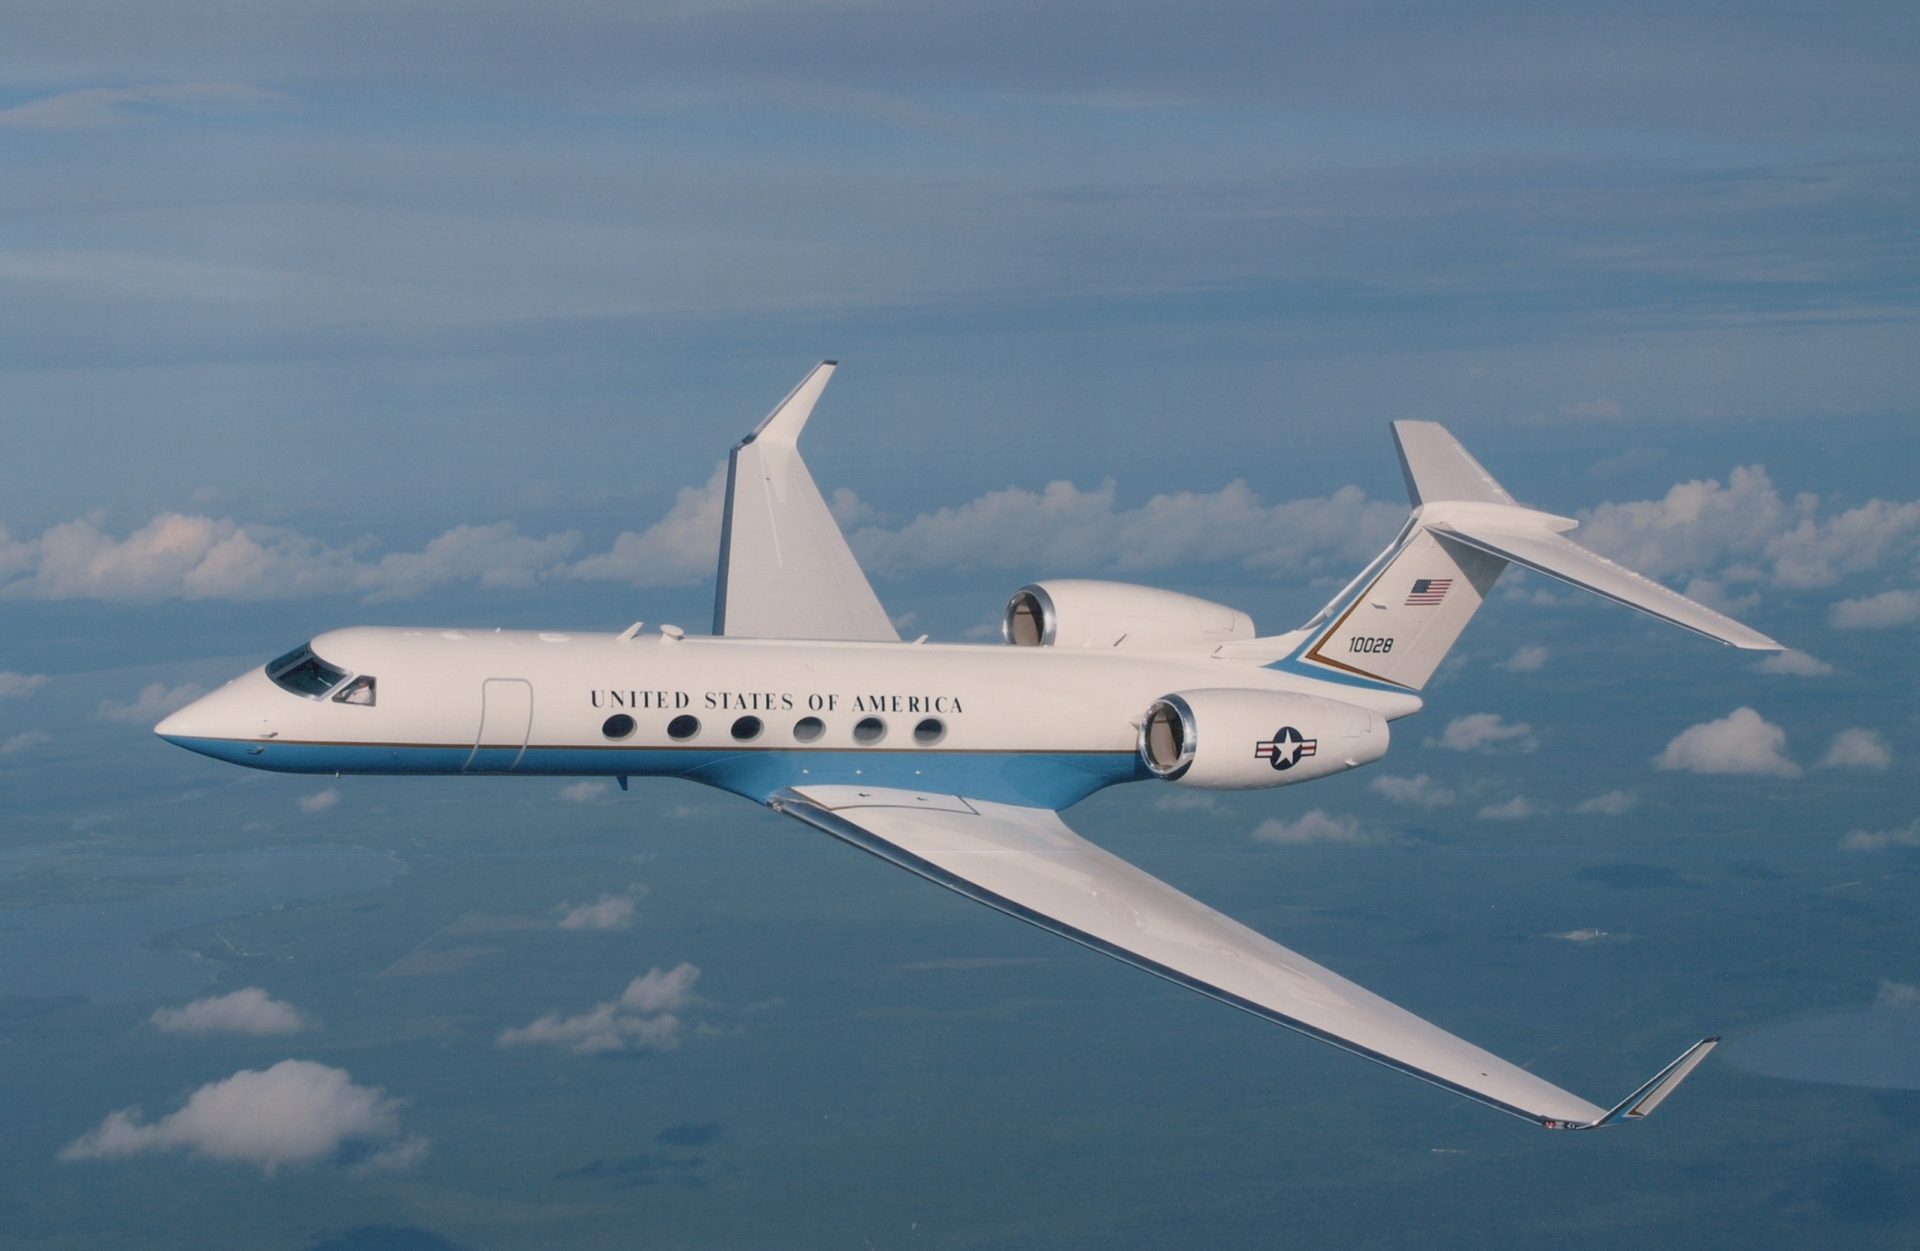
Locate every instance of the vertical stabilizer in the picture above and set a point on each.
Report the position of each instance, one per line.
(1397, 621)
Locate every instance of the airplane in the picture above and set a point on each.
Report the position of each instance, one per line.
(953, 761)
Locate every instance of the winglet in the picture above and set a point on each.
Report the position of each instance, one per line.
(785, 568)
(1643, 1101)
(789, 416)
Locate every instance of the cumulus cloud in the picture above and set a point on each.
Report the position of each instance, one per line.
(248, 1011)
(1748, 531)
(1857, 748)
(1485, 731)
(1419, 791)
(1065, 527)
(14, 685)
(1742, 742)
(184, 556)
(319, 801)
(1898, 995)
(25, 740)
(293, 1114)
(584, 792)
(1316, 826)
(1516, 809)
(678, 549)
(1876, 840)
(1611, 804)
(1876, 612)
(156, 700)
(1529, 659)
(1794, 664)
(644, 1018)
(609, 912)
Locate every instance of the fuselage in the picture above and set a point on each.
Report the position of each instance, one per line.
(1040, 726)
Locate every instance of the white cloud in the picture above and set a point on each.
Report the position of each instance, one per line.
(1419, 791)
(584, 792)
(644, 1018)
(609, 912)
(1875, 840)
(25, 740)
(1747, 531)
(295, 1113)
(1742, 742)
(402, 1157)
(14, 685)
(1611, 804)
(1485, 731)
(677, 550)
(1858, 748)
(1876, 612)
(1794, 664)
(1898, 995)
(1065, 527)
(1313, 827)
(1516, 809)
(319, 801)
(1529, 659)
(248, 1011)
(493, 558)
(156, 700)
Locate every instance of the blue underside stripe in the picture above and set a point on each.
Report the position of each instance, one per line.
(1043, 779)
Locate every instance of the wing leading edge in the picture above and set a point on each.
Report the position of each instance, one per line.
(1027, 863)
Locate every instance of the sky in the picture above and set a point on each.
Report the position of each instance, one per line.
(337, 313)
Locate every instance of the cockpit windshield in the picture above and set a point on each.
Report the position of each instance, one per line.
(304, 673)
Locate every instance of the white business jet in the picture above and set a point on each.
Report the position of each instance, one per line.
(953, 761)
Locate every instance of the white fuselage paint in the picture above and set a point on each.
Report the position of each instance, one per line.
(1024, 724)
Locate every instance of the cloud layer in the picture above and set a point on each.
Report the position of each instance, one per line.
(1718, 541)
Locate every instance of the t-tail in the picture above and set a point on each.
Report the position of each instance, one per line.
(1396, 622)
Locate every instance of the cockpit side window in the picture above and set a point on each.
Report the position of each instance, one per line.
(359, 691)
(304, 673)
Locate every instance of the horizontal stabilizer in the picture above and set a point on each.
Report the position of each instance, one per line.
(1526, 541)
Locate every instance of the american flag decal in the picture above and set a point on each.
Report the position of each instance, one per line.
(1429, 591)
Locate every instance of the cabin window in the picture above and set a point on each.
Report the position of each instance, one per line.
(619, 725)
(869, 730)
(807, 729)
(359, 691)
(746, 729)
(929, 731)
(304, 673)
(684, 726)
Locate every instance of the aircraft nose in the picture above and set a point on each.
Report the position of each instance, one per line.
(185, 722)
(234, 711)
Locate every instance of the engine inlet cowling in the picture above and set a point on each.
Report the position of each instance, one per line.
(1246, 740)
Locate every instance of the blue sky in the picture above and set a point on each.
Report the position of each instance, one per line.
(329, 313)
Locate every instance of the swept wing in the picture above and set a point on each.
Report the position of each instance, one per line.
(1025, 862)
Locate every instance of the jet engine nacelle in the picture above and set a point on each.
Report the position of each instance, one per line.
(1075, 613)
(1227, 740)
